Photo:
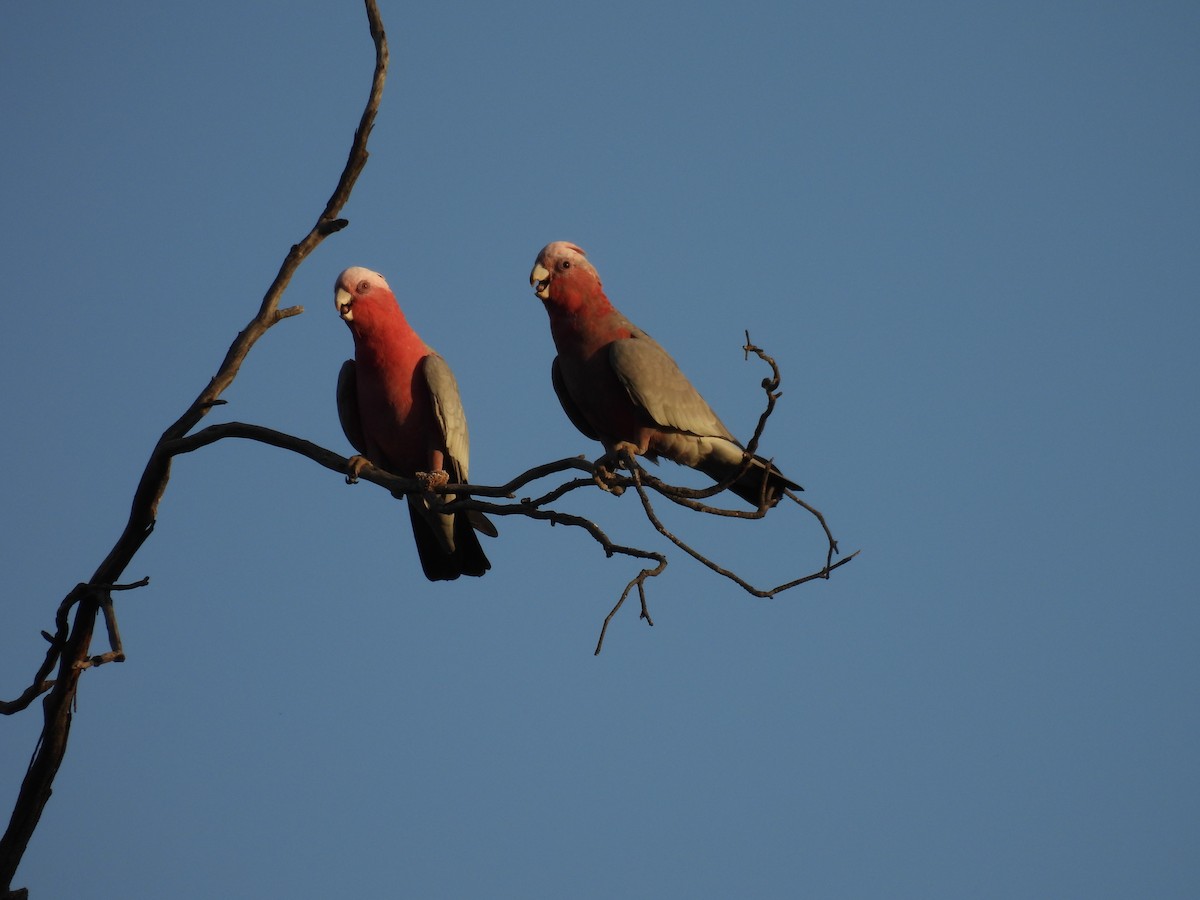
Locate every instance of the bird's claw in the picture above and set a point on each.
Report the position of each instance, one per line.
(431, 480)
(354, 468)
(604, 470)
(604, 478)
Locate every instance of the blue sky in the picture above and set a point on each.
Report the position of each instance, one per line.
(968, 233)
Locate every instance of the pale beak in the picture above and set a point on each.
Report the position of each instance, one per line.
(343, 301)
(540, 279)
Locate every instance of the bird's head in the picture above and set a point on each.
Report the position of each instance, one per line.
(562, 271)
(358, 292)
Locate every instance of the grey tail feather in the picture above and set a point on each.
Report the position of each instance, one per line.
(481, 523)
(468, 557)
(750, 486)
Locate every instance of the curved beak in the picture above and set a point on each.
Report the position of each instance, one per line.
(343, 300)
(540, 279)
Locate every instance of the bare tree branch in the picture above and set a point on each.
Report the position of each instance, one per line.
(69, 649)
(70, 644)
(720, 570)
(467, 494)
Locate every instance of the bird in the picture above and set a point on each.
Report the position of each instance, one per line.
(399, 407)
(619, 387)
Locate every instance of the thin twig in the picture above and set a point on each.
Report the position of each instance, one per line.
(640, 581)
(652, 516)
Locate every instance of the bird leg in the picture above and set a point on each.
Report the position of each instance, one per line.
(354, 468)
(604, 470)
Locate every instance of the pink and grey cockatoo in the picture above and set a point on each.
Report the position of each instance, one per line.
(618, 386)
(399, 407)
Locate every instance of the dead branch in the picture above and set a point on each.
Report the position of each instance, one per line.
(652, 516)
(69, 648)
(467, 496)
(529, 507)
(69, 645)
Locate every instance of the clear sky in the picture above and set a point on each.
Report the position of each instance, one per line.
(968, 232)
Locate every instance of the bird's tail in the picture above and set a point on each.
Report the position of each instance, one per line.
(442, 564)
(762, 481)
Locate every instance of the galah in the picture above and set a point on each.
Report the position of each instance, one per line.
(618, 386)
(399, 407)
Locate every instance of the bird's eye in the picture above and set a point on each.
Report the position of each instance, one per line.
(363, 286)
(565, 264)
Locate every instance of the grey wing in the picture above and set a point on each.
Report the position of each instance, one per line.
(347, 405)
(568, 403)
(655, 383)
(448, 409)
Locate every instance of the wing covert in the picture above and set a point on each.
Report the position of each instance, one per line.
(448, 409)
(656, 384)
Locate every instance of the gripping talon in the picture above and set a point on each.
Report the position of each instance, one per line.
(354, 468)
(604, 472)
